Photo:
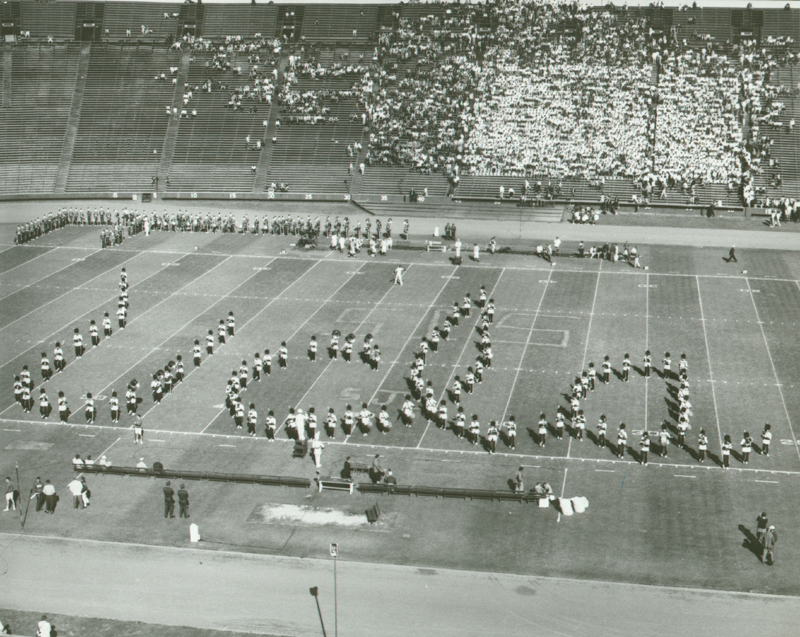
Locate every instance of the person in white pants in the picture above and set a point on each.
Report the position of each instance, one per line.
(316, 451)
(398, 275)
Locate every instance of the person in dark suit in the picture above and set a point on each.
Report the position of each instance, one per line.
(183, 502)
(169, 501)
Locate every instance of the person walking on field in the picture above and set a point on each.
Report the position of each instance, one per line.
(768, 541)
(732, 255)
(169, 501)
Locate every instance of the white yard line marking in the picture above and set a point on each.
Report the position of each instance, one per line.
(107, 449)
(708, 356)
(87, 435)
(563, 485)
(54, 299)
(72, 322)
(606, 470)
(220, 347)
(17, 430)
(525, 347)
(515, 456)
(463, 349)
(767, 481)
(232, 446)
(71, 263)
(411, 335)
(31, 261)
(257, 314)
(677, 475)
(166, 340)
(774, 371)
(330, 362)
(646, 340)
(586, 345)
(155, 440)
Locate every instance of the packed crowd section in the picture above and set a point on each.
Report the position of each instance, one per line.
(559, 89)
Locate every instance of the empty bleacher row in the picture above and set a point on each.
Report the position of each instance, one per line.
(122, 122)
(139, 21)
(244, 20)
(339, 23)
(38, 95)
(211, 152)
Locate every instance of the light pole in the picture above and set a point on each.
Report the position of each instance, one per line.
(335, 555)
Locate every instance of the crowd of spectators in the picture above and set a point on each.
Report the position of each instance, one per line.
(556, 88)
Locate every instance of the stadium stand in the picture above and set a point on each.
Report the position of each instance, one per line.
(38, 83)
(645, 104)
(122, 124)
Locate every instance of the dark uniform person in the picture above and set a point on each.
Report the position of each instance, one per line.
(183, 502)
(169, 501)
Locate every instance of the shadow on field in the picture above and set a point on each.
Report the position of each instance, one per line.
(750, 541)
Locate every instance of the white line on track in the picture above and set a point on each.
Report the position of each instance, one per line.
(255, 273)
(525, 347)
(461, 355)
(411, 335)
(774, 371)
(708, 356)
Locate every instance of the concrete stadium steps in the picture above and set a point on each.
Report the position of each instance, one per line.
(74, 117)
(51, 19)
(397, 180)
(123, 123)
(120, 17)
(336, 23)
(245, 20)
(39, 82)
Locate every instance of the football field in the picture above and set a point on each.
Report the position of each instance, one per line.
(674, 522)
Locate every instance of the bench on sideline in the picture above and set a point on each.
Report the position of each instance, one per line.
(178, 474)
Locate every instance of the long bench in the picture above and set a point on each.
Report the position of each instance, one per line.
(211, 476)
(449, 492)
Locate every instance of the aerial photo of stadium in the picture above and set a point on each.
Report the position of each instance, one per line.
(403, 319)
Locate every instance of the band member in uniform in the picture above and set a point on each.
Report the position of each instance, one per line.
(644, 448)
(606, 370)
(727, 445)
(283, 356)
(602, 429)
(491, 436)
(106, 325)
(511, 432)
(622, 440)
(231, 324)
(766, 439)
(626, 367)
(542, 430)
(312, 349)
(648, 363)
(77, 341)
(702, 445)
(747, 447)
(94, 333)
(91, 408)
(44, 404)
(271, 424)
(63, 407)
(113, 404)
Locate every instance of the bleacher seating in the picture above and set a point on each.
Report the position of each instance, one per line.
(211, 152)
(32, 128)
(245, 20)
(121, 17)
(56, 20)
(122, 123)
(339, 23)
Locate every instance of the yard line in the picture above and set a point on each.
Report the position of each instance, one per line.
(461, 355)
(330, 362)
(26, 263)
(515, 456)
(767, 481)
(525, 347)
(87, 435)
(255, 273)
(586, 346)
(164, 300)
(49, 336)
(71, 263)
(410, 336)
(564, 482)
(53, 300)
(606, 470)
(107, 449)
(257, 314)
(774, 371)
(677, 475)
(708, 355)
(233, 446)
(17, 430)
(646, 339)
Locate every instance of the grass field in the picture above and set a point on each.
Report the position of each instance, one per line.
(675, 522)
